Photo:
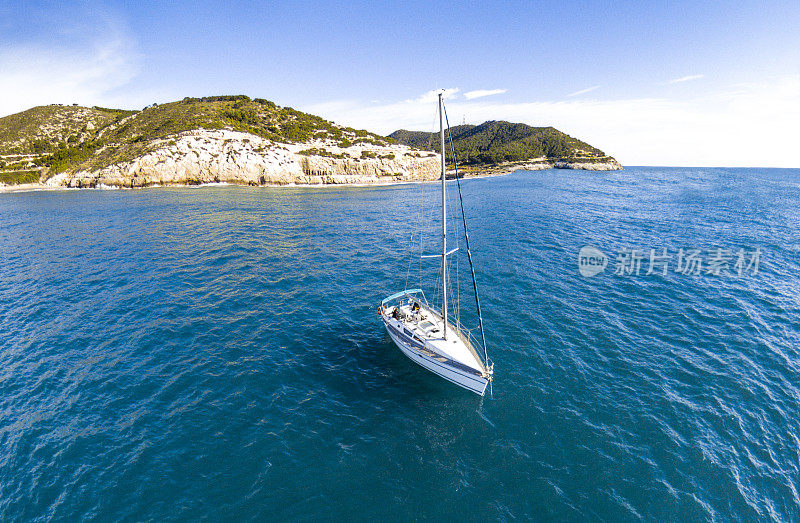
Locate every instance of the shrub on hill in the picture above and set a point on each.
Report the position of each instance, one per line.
(496, 142)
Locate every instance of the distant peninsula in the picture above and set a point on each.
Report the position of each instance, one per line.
(239, 140)
(498, 146)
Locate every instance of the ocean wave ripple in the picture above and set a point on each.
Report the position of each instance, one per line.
(181, 354)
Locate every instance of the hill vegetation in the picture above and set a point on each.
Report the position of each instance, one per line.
(496, 142)
(49, 128)
(56, 138)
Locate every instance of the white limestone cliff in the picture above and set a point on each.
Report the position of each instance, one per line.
(208, 156)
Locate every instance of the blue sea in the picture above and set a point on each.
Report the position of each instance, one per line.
(215, 352)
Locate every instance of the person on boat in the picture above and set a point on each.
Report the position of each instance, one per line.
(396, 313)
(415, 307)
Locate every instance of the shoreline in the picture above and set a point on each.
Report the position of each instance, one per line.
(27, 187)
(468, 174)
(36, 187)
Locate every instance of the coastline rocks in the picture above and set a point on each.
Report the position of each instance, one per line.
(611, 165)
(541, 164)
(223, 156)
(217, 156)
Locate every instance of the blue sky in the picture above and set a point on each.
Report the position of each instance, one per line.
(658, 83)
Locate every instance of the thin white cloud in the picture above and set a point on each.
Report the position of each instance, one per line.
(584, 91)
(712, 129)
(480, 93)
(686, 78)
(85, 71)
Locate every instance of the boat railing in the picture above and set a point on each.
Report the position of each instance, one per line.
(467, 336)
(408, 292)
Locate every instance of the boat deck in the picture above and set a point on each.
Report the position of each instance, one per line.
(427, 326)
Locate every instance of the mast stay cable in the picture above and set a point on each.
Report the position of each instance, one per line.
(466, 239)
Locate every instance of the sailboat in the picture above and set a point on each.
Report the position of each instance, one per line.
(423, 332)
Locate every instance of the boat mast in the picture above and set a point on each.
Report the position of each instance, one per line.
(444, 221)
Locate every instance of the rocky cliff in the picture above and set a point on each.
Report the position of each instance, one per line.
(208, 156)
(233, 139)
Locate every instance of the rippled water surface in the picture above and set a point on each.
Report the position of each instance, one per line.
(193, 352)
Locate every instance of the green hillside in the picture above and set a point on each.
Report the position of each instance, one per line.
(48, 128)
(51, 139)
(496, 142)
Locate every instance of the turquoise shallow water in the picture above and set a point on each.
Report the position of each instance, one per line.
(215, 352)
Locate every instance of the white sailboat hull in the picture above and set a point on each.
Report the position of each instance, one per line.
(469, 379)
